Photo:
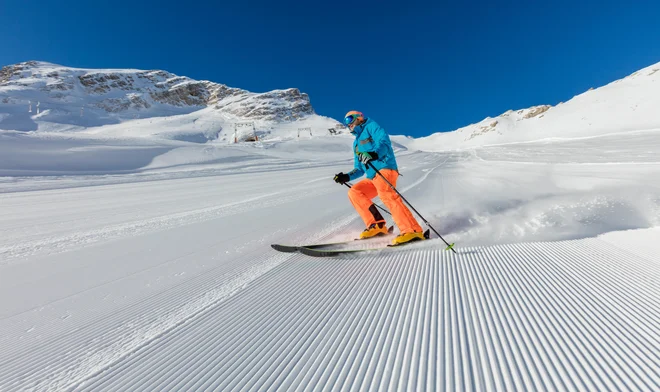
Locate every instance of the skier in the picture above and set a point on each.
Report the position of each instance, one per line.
(372, 145)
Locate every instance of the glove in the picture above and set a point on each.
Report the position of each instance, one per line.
(341, 178)
(366, 157)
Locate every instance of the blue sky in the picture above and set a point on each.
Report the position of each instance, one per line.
(415, 67)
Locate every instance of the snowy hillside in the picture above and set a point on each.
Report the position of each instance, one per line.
(623, 105)
(44, 97)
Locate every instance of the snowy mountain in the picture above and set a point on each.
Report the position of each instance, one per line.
(39, 96)
(627, 104)
(121, 103)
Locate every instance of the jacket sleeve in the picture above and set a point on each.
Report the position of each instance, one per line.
(381, 141)
(357, 171)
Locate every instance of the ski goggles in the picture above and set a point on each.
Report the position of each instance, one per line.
(350, 119)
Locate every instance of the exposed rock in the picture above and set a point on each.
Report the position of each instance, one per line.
(61, 86)
(116, 105)
(184, 94)
(484, 129)
(535, 111)
(218, 92)
(15, 71)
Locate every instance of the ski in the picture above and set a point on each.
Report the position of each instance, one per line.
(296, 248)
(320, 252)
(336, 252)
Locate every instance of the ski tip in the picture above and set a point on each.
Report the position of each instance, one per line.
(284, 248)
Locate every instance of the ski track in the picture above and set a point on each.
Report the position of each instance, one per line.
(26, 183)
(99, 342)
(369, 324)
(56, 244)
(573, 315)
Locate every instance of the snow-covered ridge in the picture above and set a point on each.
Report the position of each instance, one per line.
(33, 93)
(628, 104)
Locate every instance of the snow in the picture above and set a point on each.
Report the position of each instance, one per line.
(134, 258)
(629, 104)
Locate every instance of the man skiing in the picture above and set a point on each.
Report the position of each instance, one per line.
(372, 146)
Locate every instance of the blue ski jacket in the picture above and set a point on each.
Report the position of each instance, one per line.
(371, 137)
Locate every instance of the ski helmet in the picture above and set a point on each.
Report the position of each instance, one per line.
(353, 118)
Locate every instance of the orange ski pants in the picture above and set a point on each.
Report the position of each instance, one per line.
(362, 192)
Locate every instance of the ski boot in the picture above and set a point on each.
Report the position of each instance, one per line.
(375, 229)
(405, 238)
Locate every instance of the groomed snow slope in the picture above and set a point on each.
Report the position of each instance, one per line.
(165, 280)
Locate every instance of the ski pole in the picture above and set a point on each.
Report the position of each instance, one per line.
(377, 206)
(413, 208)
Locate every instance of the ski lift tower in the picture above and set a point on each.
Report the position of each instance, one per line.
(244, 125)
(305, 130)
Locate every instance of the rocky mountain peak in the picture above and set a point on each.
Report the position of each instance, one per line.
(139, 93)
